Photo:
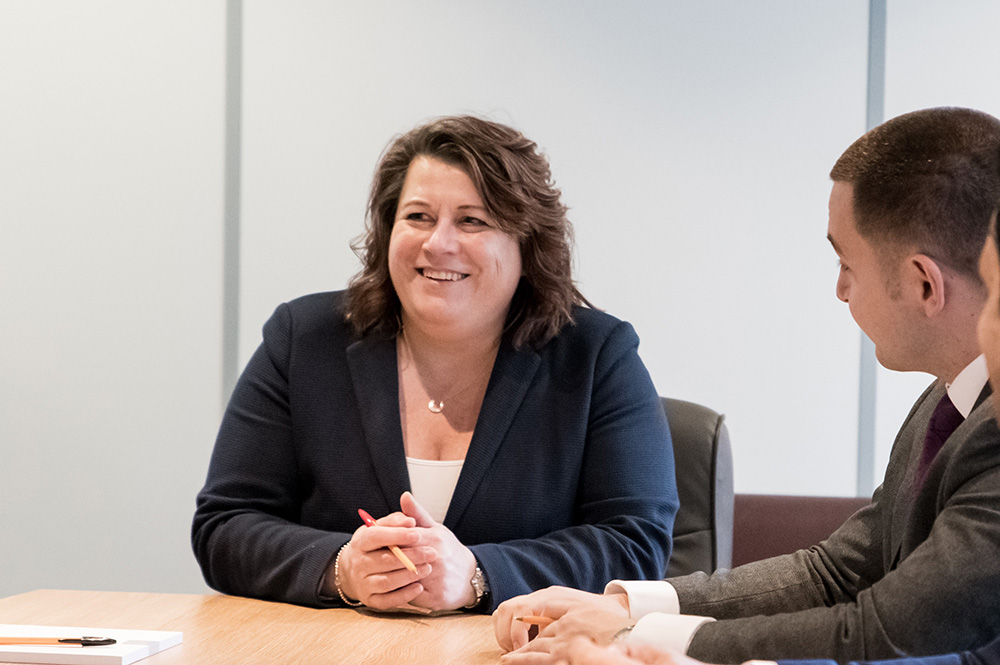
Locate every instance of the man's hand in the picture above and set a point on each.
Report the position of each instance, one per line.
(576, 612)
(581, 651)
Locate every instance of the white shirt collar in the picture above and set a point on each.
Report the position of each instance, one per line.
(965, 389)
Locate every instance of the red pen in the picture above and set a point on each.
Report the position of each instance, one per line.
(370, 521)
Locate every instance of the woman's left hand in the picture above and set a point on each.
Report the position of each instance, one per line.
(449, 586)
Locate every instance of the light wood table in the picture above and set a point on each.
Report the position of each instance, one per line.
(225, 629)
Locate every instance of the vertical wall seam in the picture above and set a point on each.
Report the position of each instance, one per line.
(231, 198)
(868, 368)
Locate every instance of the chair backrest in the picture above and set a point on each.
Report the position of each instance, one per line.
(767, 525)
(703, 460)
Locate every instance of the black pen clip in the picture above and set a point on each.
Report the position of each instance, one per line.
(89, 641)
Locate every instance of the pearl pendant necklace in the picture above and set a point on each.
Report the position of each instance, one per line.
(437, 405)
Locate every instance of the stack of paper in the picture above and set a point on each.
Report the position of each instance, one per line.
(132, 645)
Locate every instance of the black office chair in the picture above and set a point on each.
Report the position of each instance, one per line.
(703, 460)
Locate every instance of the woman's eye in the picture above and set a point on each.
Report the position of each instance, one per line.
(474, 222)
(418, 217)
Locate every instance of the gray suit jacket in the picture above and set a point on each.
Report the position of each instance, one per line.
(909, 575)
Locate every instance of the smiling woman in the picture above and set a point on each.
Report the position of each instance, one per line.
(461, 387)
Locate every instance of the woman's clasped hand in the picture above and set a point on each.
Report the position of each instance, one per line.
(372, 574)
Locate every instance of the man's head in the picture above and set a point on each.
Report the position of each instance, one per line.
(926, 180)
(909, 210)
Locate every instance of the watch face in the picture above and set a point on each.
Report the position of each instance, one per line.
(478, 583)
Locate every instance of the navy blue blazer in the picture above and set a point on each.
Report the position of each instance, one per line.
(569, 477)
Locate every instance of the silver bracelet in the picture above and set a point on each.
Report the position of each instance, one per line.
(336, 579)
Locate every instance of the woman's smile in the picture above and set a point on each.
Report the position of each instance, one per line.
(442, 275)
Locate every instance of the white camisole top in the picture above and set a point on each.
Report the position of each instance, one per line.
(432, 483)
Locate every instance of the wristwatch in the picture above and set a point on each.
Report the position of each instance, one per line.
(480, 586)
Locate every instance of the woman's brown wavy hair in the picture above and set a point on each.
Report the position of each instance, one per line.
(514, 181)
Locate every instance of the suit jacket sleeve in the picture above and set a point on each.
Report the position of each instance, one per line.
(986, 655)
(853, 597)
(946, 659)
(617, 481)
(247, 534)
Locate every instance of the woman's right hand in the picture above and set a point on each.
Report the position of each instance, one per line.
(371, 573)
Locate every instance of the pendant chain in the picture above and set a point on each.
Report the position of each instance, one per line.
(437, 405)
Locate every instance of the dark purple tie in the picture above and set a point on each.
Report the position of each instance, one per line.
(944, 421)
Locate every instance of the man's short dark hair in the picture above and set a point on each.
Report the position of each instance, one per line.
(927, 180)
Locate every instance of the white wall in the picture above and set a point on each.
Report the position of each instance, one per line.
(110, 288)
(691, 140)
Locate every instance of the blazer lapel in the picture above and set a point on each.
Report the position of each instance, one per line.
(921, 508)
(372, 364)
(513, 373)
(902, 508)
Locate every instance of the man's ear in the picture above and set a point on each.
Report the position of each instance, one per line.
(925, 274)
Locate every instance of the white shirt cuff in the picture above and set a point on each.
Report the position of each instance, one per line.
(667, 631)
(646, 596)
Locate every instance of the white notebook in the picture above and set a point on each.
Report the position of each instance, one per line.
(132, 645)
